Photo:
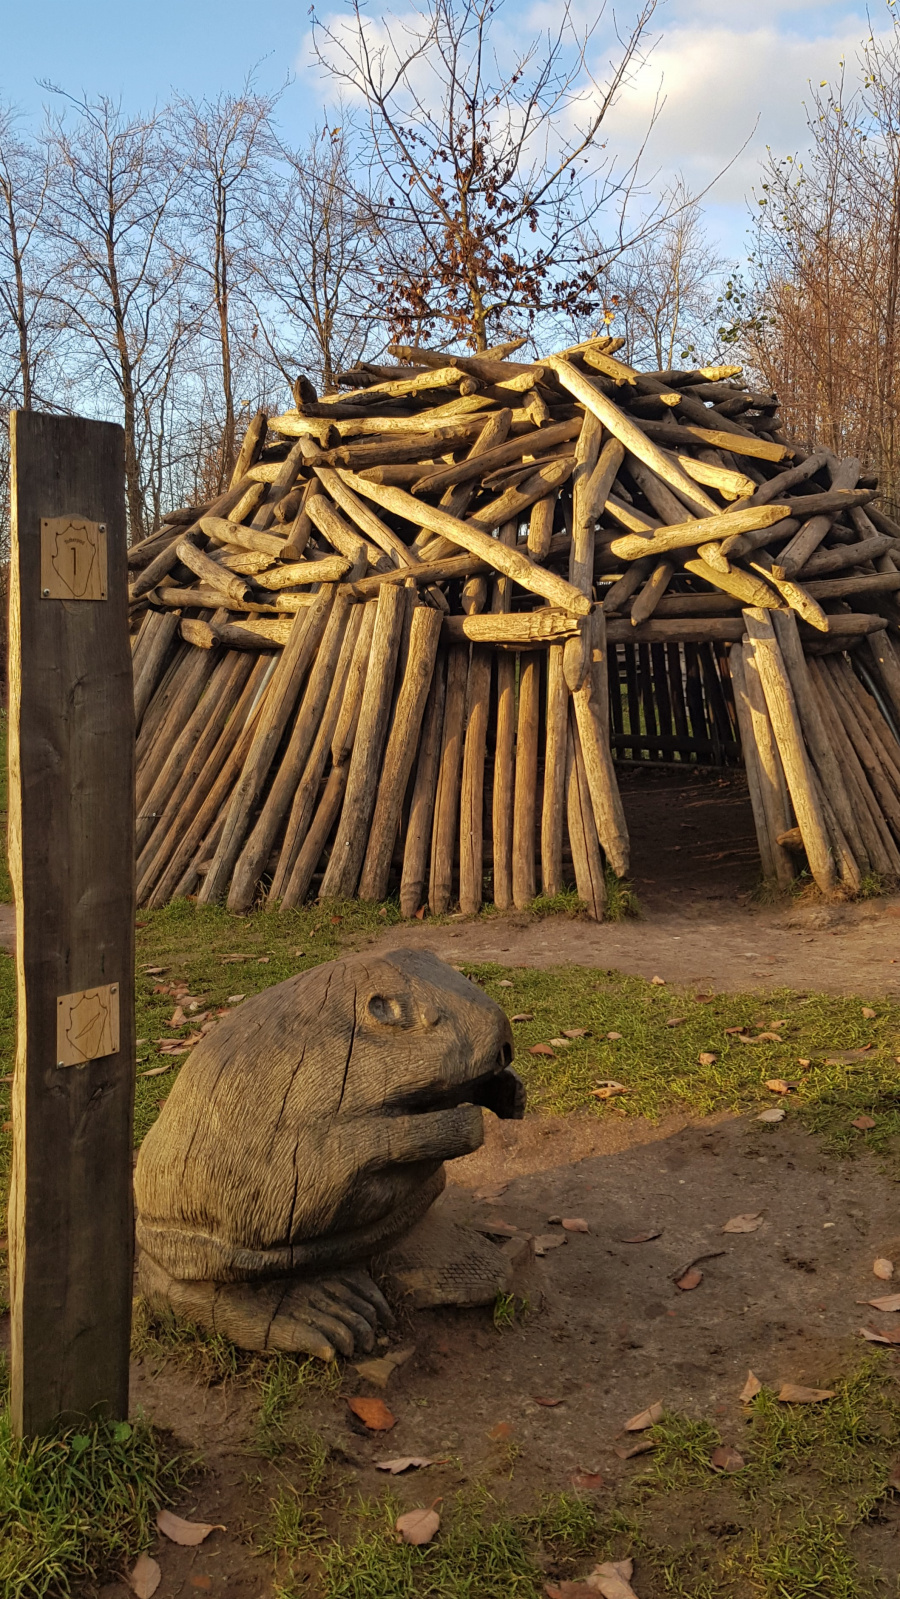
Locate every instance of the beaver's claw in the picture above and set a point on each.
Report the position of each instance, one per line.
(322, 1316)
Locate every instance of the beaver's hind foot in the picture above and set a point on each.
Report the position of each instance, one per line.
(340, 1313)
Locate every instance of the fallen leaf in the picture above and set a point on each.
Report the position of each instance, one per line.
(145, 1577)
(608, 1090)
(658, 982)
(612, 1579)
(154, 971)
(802, 1061)
(751, 1388)
(263, 960)
(545, 1241)
(748, 1222)
(792, 1393)
(420, 914)
(869, 1013)
(587, 1479)
(776, 1114)
(491, 1193)
(417, 1526)
(692, 1278)
(575, 1224)
(646, 1418)
(883, 1269)
(373, 1413)
(887, 1303)
(768, 1038)
(228, 960)
(614, 1036)
(235, 999)
(505, 983)
(498, 1229)
(676, 1021)
(644, 1446)
(549, 1404)
(380, 1371)
(561, 1043)
(873, 1336)
(569, 1590)
(704, 999)
(777, 1085)
(178, 1018)
(727, 1459)
(406, 1463)
(523, 1016)
(641, 1238)
(187, 1533)
(542, 1049)
(863, 1123)
(155, 1071)
(500, 1433)
(576, 1032)
(205, 1583)
(707, 1059)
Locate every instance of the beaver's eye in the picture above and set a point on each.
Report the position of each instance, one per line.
(386, 1009)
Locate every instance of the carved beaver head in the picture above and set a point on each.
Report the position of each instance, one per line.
(310, 1128)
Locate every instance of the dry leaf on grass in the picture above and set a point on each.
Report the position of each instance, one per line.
(641, 1238)
(587, 1479)
(154, 971)
(145, 1577)
(608, 1090)
(869, 1013)
(545, 1241)
(373, 1413)
(658, 982)
(863, 1124)
(614, 1036)
(748, 1222)
(873, 1336)
(777, 1085)
(575, 1224)
(692, 1278)
(228, 960)
(523, 1016)
(887, 1302)
(406, 1463)
(725, 1458)
(644, 1446)
(751, 1388)
(500, 1433)
(613, 1579)
(776, 1114)
(561, 1043)
(707, 1058)
(504, 983)
(883, 1269)
(646, 1418)
(576, 1032)
(155, 1071)
(792, 1393)
(417, 1526)
(187, 1533)
(542, 1049)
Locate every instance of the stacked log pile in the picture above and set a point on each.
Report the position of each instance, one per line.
(396, 654)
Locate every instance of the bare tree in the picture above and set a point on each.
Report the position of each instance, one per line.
(25, 182)
(819, 318)
(661, 293)
(224, 144)
(118, 264)
(316, 281)
(490, 173)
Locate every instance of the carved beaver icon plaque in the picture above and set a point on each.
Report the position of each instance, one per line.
(305, 1136)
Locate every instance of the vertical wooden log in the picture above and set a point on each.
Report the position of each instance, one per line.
(160, 629)
(609, 817)
(232, 668)
(505, 740)
(345, 863)
(586, 859)
(525, 801)
(882, 850)
(421, 810)
(885, 657)
(471, 816)
(71, 854)
(789, 737)
(774, 860)
(402, 743)
(820, 746)
(587, 450)
(540, 527)
(554, 798)
(287, 680)
(446, 803)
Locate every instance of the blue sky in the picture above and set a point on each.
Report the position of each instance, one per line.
(722, 71)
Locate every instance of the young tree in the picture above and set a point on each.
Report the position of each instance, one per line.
(27, 334)
(821, 324)
(489, 173)
(662, 291)
(316, 282)
(224, 144)
(118, 265)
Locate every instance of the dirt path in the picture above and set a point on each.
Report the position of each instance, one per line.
(727, 948)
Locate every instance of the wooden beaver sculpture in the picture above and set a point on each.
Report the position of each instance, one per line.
(306, 1134)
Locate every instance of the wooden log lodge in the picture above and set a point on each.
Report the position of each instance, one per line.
(402, 652)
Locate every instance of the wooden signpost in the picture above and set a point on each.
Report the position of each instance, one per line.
(71, 850)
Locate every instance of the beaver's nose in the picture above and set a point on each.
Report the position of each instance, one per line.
(430, 1015)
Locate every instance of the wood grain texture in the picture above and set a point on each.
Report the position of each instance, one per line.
(526, 795)
(413, 892)
(446, 801)
(71, 848)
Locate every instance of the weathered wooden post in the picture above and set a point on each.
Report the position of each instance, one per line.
(71, 850)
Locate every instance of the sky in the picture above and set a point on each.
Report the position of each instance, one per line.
(728, 76)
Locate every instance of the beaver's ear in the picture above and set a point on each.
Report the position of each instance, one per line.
(389, 1010)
